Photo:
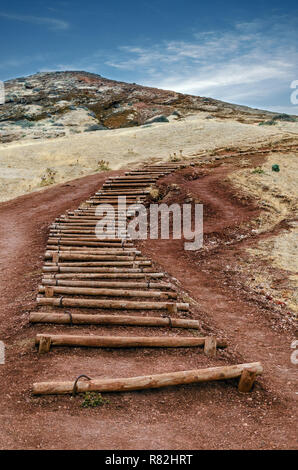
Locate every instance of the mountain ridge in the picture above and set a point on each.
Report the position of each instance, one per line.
(55, 104)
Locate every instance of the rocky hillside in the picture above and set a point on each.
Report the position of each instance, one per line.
(57, 104)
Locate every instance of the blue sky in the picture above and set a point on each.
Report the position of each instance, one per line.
(242, 52)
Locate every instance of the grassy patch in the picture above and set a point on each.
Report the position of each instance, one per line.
(93, 400)
(103, 165)
(258, 171)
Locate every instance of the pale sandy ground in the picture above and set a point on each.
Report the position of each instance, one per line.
(276, 192)
(22, 165)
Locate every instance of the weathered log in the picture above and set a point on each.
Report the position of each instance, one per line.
(104, 292)
(82, 241)
(84, 264)
(107, 304)
(93, 250)
(64, 238)
(106, 275)
(80, 255)
(97, 269)
(108, 284)
(95, 319)
(93, 341)
(147, 381)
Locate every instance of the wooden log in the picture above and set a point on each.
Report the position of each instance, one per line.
(65, 238)
(93, 250)
(79, 223)
(76, 256)
(106, 275)
(104, 292)
(81, 242)
(93, 341)
(210, 346)
(89, 219)
(107, 304)
(84, 264)
(147, 381)
(126, 185)
(247, 380)
(108, 284)
(97, 269)
(121, 192)
(95, 319)
(44, 344)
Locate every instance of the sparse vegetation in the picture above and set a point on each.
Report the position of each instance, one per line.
(48, 178)
(284, 117)
(268, 123)
(93, 400)
(103, 165)
(258, 171)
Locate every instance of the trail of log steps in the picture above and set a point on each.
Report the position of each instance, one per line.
(81, 266)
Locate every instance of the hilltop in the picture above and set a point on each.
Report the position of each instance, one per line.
(58, 104)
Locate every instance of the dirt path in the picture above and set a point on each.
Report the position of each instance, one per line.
(211, 416)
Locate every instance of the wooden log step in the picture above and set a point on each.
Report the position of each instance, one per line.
(93, 213)
(89, 238)
(66, 243)
(132, 192)
(114, 250)
(94, 218)
(126, 185)
(133, 179)
(108, 284)
(110, 304)
(80, 255)
(92, 250)
(97, 269)
(106, 275)
(95, 319)
(105, 292)
(158, 173)
(147, 381)
(93, 341)
(82, 223)
(95, 264)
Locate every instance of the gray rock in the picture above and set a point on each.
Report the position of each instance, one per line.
(95, 127)
(160, 118)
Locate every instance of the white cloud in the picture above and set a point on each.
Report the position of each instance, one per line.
(52, 23)
(245, 61)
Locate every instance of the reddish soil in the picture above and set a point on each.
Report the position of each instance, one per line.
(205, 416)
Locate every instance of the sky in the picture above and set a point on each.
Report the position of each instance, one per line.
(240, 52)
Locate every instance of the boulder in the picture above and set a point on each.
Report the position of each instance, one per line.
(159, 118)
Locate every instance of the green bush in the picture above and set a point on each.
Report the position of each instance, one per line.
(93, 399)
(284, 117)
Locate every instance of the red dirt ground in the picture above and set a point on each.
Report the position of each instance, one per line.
(205, 416)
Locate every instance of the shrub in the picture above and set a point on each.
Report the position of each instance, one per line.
(284, 117)
(258, 171)
(103, 165)
(48, 178)
(93, 399)
(267, 123)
